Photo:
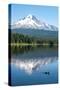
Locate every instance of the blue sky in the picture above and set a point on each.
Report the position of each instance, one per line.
(48, 14)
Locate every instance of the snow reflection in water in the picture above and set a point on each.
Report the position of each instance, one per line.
(29, 65)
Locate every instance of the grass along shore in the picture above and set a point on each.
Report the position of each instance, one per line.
(32, 44)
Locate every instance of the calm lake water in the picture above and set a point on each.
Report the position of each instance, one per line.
(34, 65)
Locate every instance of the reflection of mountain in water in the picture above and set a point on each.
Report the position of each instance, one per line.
(29, 65)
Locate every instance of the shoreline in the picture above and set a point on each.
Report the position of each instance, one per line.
(32, 44)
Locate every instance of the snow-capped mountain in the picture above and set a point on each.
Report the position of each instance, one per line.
(31, 22)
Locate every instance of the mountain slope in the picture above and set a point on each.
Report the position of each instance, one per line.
(42, 34)
(31, 22)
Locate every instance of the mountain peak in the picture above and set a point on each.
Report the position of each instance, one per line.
(30, 16)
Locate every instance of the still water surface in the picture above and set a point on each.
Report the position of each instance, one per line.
(34, 65)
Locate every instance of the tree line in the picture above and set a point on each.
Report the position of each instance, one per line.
(20, 38)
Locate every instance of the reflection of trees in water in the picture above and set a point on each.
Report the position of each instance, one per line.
(22, 49)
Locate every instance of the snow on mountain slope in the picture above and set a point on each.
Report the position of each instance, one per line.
(31, 22)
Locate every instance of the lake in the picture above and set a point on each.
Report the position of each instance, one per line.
(31, 65)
